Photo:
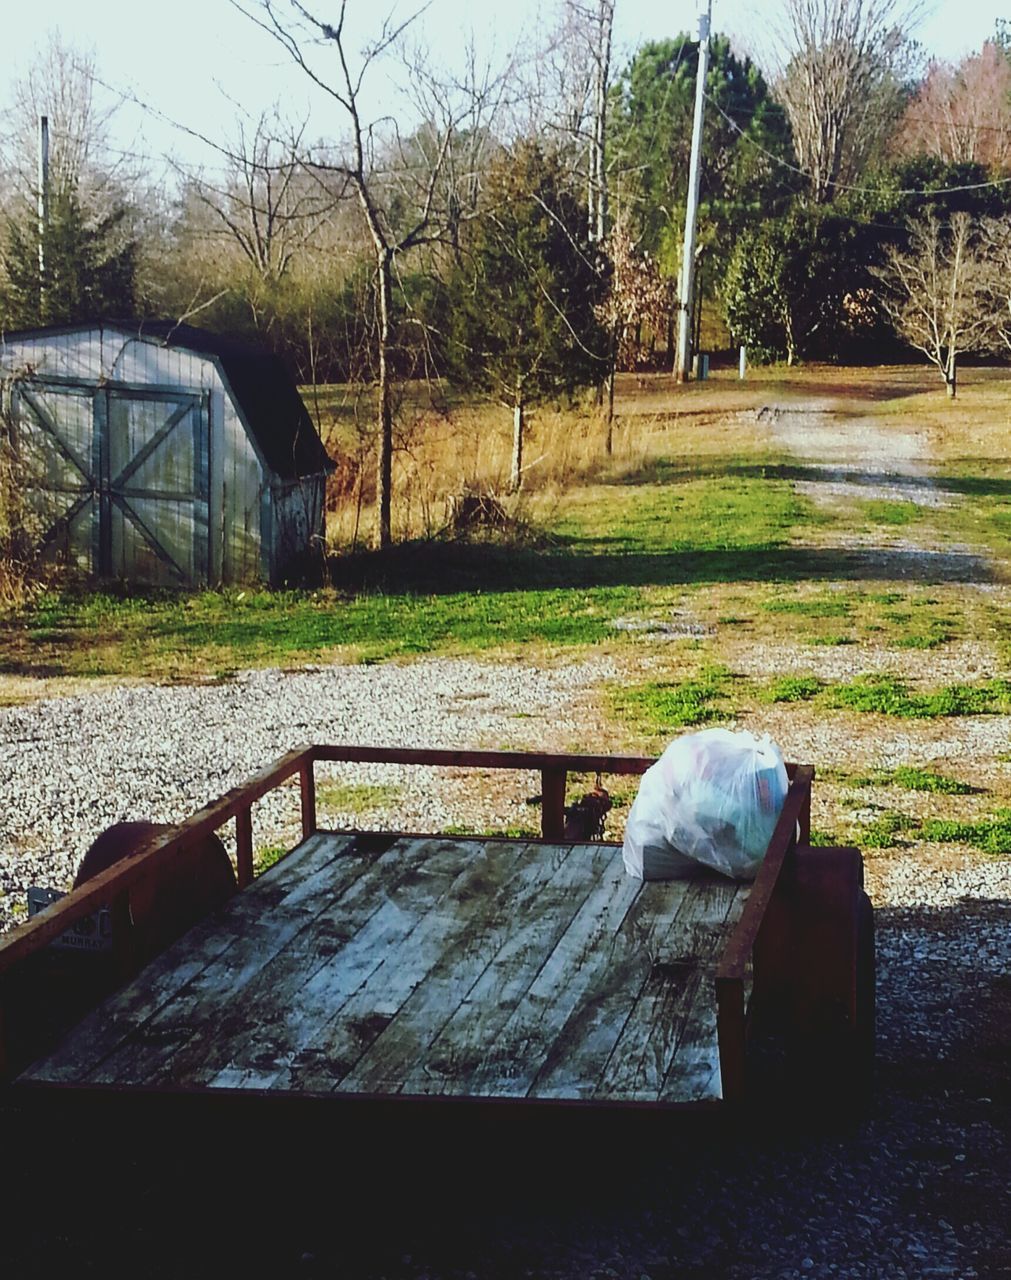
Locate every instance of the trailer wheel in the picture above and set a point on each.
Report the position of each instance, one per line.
(175, 896)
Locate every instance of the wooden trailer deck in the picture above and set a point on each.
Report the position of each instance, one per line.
(454, 967)
(390, 966)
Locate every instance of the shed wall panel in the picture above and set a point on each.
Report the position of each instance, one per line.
(241, 499)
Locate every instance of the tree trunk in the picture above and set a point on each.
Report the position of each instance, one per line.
(612, 361)
(516, 471)
(384, 474)
(951, 374)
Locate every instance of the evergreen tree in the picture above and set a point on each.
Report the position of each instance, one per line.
(650, 145)
(88, 267)
(523, 323)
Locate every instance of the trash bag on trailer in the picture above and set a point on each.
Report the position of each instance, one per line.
(713, 798)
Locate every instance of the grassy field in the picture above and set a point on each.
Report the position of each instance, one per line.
(698, 512)
(708, 556)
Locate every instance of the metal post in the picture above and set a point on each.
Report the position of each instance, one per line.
(691, 213)
(43, 199)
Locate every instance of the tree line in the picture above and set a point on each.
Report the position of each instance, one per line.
(517, 229)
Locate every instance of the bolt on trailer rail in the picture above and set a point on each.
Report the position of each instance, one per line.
(383, 965)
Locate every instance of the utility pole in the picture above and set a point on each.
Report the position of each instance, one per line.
(43, 200)
(684, 352)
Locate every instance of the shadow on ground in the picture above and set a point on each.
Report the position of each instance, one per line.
(444, 568)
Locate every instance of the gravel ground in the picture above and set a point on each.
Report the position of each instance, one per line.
(918, 1188)
(160, 752)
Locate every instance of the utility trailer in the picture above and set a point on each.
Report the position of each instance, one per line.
(370, 973)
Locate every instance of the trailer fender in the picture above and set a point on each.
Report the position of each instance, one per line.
(814, 962)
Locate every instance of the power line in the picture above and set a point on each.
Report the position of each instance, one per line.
(854, 187)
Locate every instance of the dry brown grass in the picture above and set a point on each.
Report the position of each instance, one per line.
(447, 446)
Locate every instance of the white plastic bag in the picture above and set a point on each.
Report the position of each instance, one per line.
(713, 798)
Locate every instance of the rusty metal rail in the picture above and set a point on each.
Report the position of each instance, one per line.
(793, 828)
(112, 886)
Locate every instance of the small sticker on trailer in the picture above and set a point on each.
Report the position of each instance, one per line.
(91, 933)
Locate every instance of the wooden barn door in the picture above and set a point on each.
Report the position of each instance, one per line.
(154, 522)
(58, 456)
(118, 479)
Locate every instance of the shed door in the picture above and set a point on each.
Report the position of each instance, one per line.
(56, 439)
(154, 524)
(118, 479)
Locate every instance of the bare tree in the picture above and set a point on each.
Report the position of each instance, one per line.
(962, 112)
(406, 206)
(995, 236)
(264, 203)
(61, 84)
(841, 82)
(568, 87)
(938, 293)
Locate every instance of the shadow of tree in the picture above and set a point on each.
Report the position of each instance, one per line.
(441, 568)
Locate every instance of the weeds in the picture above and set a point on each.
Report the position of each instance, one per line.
(664, 705)
(886, 830)
(992, 835)
(793, 689)
(914, 779)
(355, 799)
(890, 696)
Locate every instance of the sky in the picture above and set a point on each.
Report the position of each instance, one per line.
(196, 61)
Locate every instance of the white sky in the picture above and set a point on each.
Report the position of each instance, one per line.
(184, 57)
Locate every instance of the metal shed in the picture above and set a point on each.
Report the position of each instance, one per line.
(160, 454)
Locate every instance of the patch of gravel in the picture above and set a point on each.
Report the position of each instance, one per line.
(70, 767)
(955, 662)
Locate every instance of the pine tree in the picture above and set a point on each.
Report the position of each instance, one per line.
(523, 306)
(88, 274)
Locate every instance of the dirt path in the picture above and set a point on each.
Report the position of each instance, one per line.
(844, 460)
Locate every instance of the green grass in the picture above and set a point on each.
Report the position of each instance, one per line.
(818, 607)
(660, 705)
(356, 799)
(266, 857)
(908, 777)
(890, 696)
(608, 551)
(793, 689)
(914, 779)
(886, 830)
(875, 511)
(992, 835)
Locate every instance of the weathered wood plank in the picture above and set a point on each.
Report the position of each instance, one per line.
(283, 889)
(270, 1027)
(330, 1061)
(511, 1064)
(161, 1046)
(694, 1075)
(615, 976)
(651, 1036)
(490, 903)
(462, 1043)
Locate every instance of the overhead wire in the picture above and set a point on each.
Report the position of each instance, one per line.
(850, 186)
